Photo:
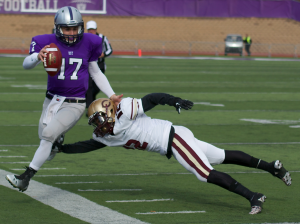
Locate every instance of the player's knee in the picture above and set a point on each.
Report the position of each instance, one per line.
(221, 179)
(48, 134)
(213, 176)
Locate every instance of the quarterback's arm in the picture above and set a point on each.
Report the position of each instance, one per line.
(31, 61)
(82, 147)
(153, 99)
(102, 82)
(100, 79)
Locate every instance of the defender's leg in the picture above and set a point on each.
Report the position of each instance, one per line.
(189, 152)
(275, 168)
(227, 182)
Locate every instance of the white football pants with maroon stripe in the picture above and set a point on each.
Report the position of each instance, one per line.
(195, 155)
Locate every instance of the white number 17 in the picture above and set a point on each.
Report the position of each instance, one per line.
(71, 62)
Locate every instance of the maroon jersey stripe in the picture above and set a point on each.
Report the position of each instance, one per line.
(120, 114)
(131, 109)
(191, 151)
(184, 156)
(119, 107)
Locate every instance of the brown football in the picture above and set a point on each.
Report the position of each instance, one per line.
(52, 62)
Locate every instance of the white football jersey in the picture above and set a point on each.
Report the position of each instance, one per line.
(135, 130)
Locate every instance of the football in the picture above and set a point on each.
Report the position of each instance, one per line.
(52, 61)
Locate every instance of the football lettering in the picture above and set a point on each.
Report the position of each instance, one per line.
(53, 60)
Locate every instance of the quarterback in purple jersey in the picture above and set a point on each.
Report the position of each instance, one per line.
(128, 126)
(65, 97)
(72, 81)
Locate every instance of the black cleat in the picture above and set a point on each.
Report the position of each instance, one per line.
(279, 171)
(256, 203)
(21, 181)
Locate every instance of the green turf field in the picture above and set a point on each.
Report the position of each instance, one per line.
(252, 106)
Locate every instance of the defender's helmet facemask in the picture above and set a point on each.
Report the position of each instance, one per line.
(68, 16)
(101, 114)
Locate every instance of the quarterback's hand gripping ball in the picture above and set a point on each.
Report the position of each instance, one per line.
(52, 61)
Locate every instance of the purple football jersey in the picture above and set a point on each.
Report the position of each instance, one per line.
(73, 78)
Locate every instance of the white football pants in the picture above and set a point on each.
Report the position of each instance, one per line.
(195, 155)
(66, 117)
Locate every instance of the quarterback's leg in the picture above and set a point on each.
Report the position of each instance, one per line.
(65, 119)
(187, 152)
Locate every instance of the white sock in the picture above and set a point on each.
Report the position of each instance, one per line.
(41, 155)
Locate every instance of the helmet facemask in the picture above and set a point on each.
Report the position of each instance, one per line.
(103, 124)
(102, 113)
(68, 39)
(68, 16)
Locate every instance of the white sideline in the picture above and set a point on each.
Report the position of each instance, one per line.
(72, 204)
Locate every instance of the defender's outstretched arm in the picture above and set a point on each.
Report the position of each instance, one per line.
(153, 99)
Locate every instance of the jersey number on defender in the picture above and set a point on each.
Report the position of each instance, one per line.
(134, 144)
(71, 62)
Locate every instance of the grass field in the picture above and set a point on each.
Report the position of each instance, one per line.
(252, 106)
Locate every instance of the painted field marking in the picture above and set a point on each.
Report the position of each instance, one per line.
(180, 212)
(3, 150)
(154, 111)
(197, 111)
(144, 174)
(266, 121)
(173, 93)
(279, 223)
(294, 126)
(3, 78)
(204, 82)
(181, 58)
(94, 182)
(14, 162)
(258, 143)
(11, 156)
(153, 200)
(30, 86)
(205, 58)
(218, 143)
(44, 169)
(72, 204)
(21, 125)
(18, 145)
(95, 175)
(209, 104)
(111, 190)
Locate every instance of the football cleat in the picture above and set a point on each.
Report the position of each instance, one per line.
(56, 147)
(279, 171)
(21, 181)
(256, 203)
